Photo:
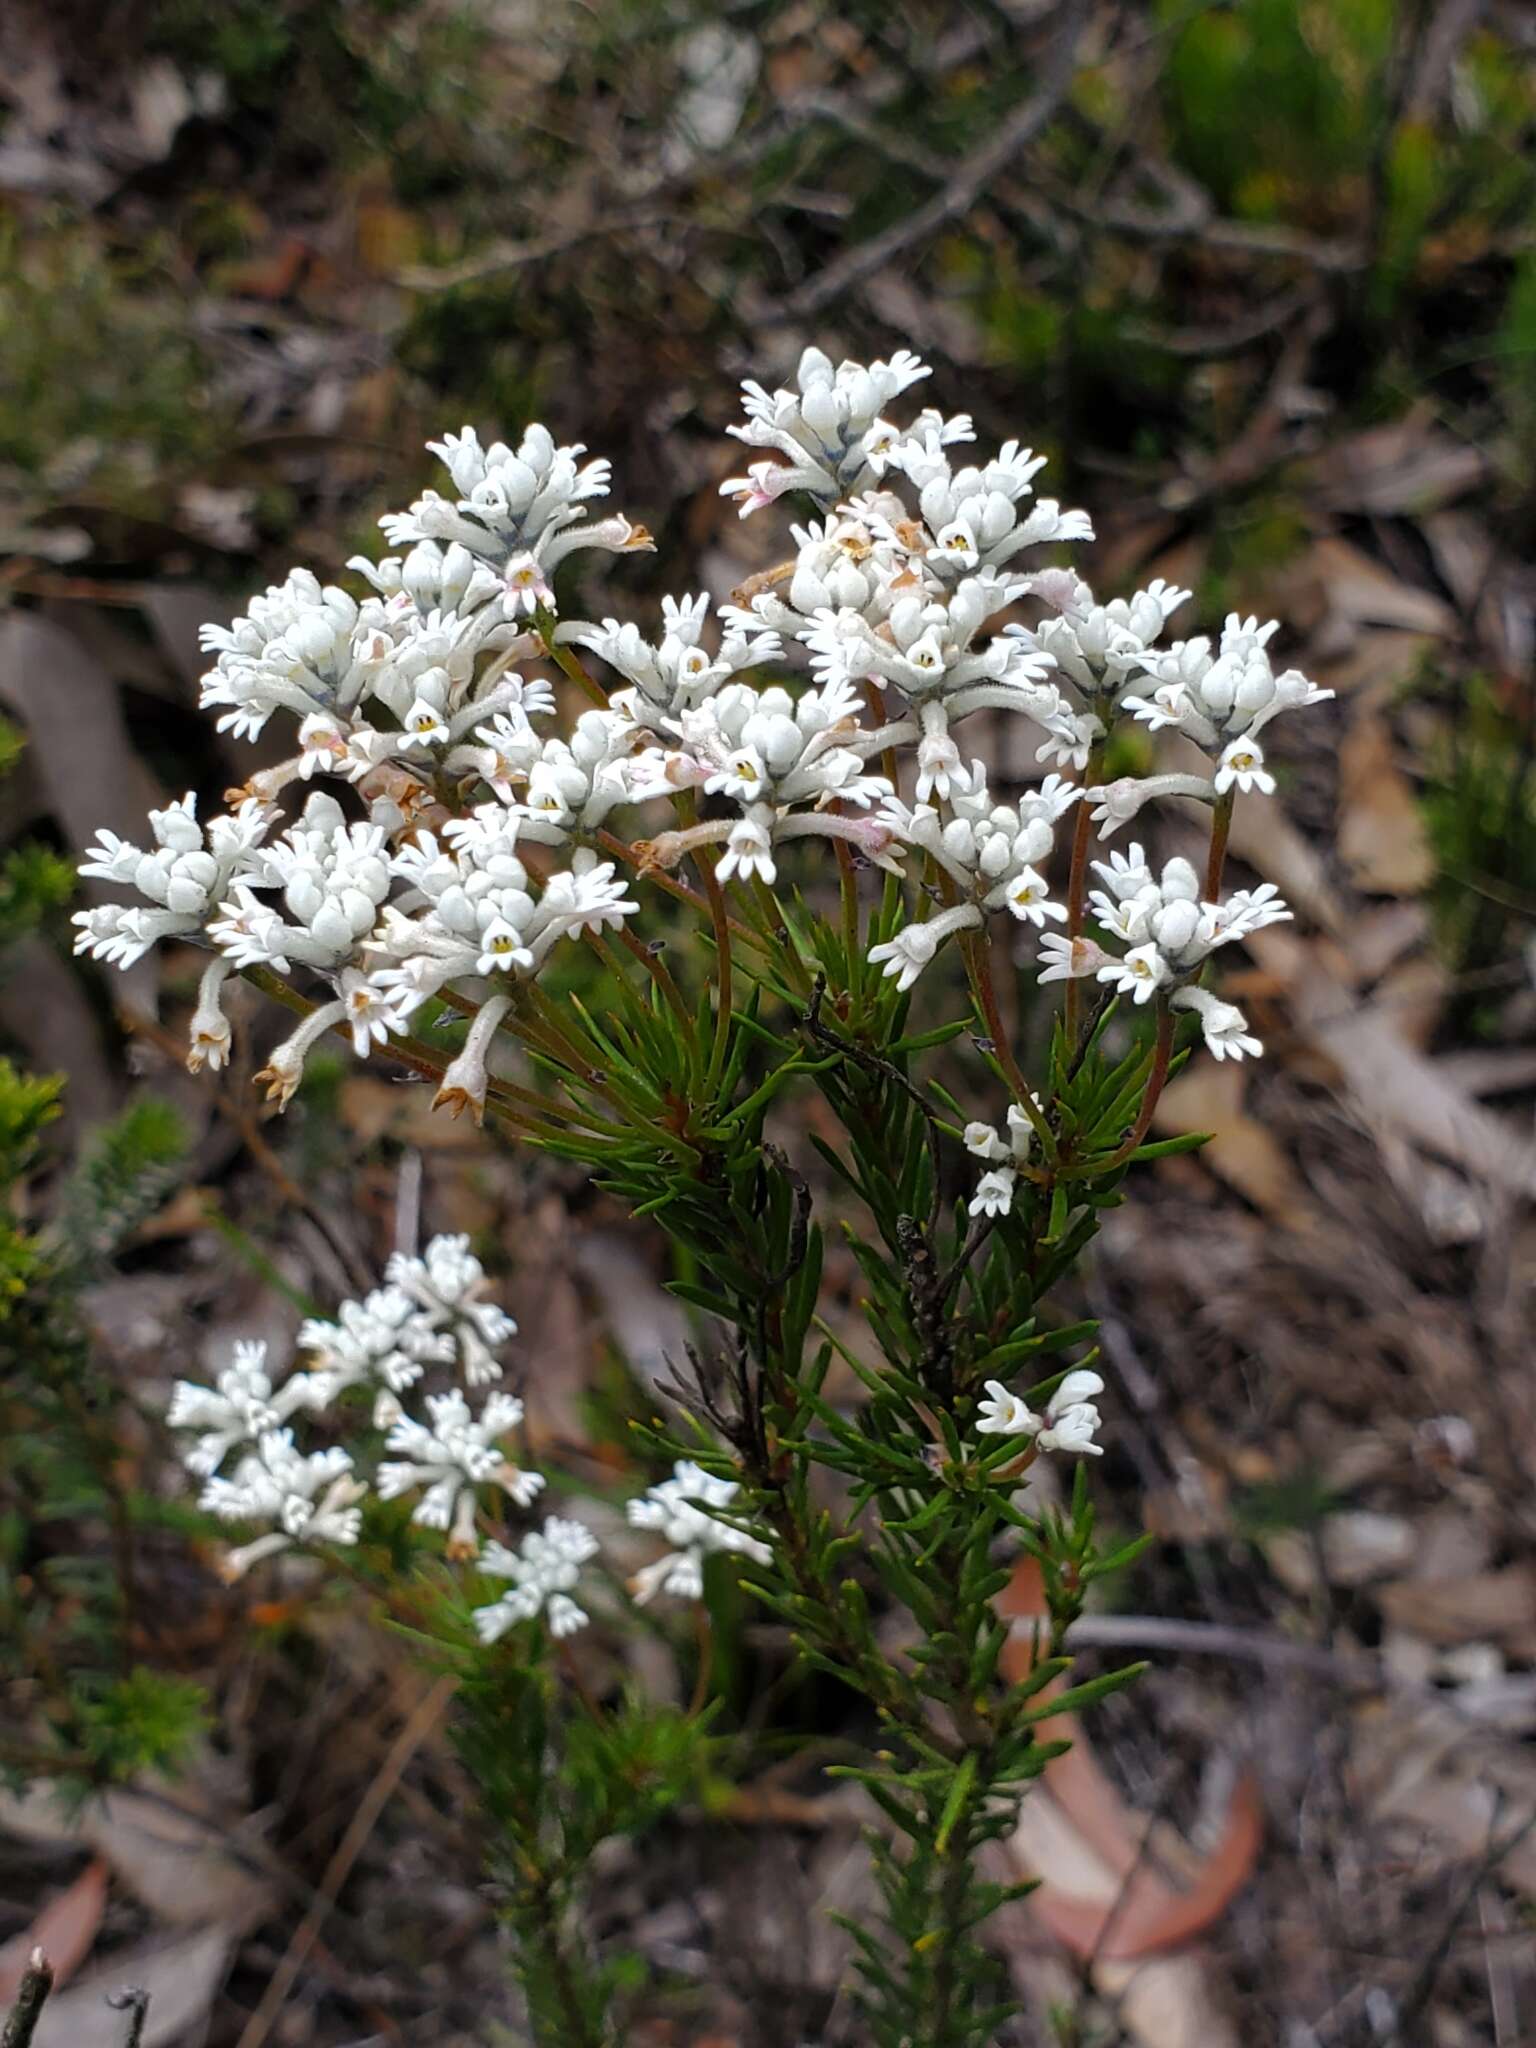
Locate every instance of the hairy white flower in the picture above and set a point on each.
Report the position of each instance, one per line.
(545, 1570)
(451, 1455)
(238, 1409)
(183, 876)
(519, 511)
(685, 1512)
(309, 1499)
(829, 429)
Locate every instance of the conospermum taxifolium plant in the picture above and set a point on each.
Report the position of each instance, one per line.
(802, 780)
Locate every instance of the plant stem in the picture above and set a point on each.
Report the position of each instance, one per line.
(1077, 879)
(31, 1996)
(978, 961)
(1162, 1053)
(1221, 827)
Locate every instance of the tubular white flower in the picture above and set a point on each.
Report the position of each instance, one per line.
(545, 1570)
(1242, 767)
(1005, 1414)
(465, 1080)
(240, 1408)
(994, 1192)
(904, 956)
(521, 511)
(451, 1455)
(685, 1512)
(209, 1035)
(821, 428)
(310, 1499)
(1225, 1027)
(183, 876)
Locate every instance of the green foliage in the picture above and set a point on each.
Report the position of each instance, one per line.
(557, 1779)
(671, 1105)
(124, 1173)
(146, 1721)
(145, 402)
(67, 1514)
(1481, 810)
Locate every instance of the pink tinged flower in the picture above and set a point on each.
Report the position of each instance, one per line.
(527, 585)
(762, 484)
(1064, 959)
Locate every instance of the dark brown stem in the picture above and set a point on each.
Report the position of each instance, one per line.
(31, 1996)
(1162, 1053)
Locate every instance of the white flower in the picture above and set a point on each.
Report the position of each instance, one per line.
(518, 510)
(994, 1192)
(239, 1409)
(1242, 765)
(1071, 1418)
(983, 1141)
(821, 428)
(1141, 973)
(682, 1510)
(1065, 959)
(1225, 1027)
(311, 1499)
(1004, 1414)
(450, 1456)
(1072, 1429)
(545, 1570)
(904, 956)
(183, 876)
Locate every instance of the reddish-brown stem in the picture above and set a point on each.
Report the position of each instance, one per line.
(978, 963)
(1162, 1054)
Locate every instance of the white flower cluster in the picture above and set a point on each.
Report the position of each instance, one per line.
(459, 838)
(1169, 934)
(430, 1316)
(686, 1511)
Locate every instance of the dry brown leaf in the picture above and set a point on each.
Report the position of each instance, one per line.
(1407, 465)
(181, 1864)
(1362, 592)
(1209, 1097)
(64, 1930)
(1382, 837)
(1497, 1606)
(1396, 1091)
(1076, 1826)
